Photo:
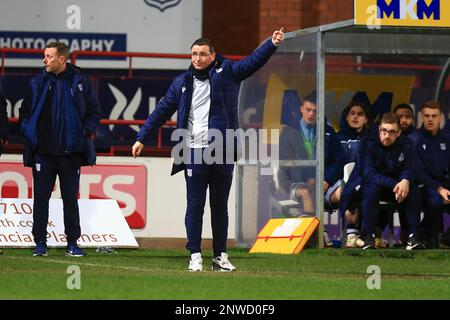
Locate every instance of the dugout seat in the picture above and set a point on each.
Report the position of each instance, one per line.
(348, 168)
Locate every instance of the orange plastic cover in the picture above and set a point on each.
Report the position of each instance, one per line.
(286, 236)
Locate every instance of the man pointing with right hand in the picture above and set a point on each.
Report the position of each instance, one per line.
(205, 97)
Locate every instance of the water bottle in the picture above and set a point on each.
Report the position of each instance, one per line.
(105, 250)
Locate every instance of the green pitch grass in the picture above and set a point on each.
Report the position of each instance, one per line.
(162, 274)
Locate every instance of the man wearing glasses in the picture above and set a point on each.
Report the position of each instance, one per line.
(205, 97)
(387, 175)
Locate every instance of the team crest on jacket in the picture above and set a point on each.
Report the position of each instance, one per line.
(401, 158)
(162, 4)
(443, 146)
(424, 147)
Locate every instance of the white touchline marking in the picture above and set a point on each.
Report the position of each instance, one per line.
(89, 264)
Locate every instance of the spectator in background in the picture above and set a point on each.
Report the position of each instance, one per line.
(205, 97)
(58, 117)
(387, 171)
(433, 155)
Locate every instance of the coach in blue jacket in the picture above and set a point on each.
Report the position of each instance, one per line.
(387, 172)
(205, 97)
(58, 116)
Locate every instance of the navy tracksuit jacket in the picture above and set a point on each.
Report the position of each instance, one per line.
(225, 78)
(382, 168)
(352, 144)
(432, 170)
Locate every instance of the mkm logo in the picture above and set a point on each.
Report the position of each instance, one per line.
(415, 9)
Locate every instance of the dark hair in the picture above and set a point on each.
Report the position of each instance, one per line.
(390, 118)
(431, 105)
(355, 103)
(311, 97)
(403, 106)
(204, 42)
(61, 48)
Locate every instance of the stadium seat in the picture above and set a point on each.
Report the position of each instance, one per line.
(280, 204)
(348, 168)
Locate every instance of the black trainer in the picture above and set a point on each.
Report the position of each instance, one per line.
(40, 250)
(369, 241)
(414, 243)
(73, 250)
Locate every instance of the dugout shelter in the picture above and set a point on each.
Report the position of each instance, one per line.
(386, 55)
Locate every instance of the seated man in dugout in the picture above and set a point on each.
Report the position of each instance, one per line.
(405, 114)
(432, 171)
(353, 129)
(298, 142)
(387, 172)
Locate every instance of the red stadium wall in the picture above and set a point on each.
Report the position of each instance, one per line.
(244, 24)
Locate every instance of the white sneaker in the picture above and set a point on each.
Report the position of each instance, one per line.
(354, 241)
(222, 263)
(196, 262)
(326, 240)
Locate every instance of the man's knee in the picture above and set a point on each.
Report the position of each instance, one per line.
(435, 201)
(301, 192)
(371, 192)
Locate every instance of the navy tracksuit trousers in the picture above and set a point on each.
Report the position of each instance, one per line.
(45, 170)
(432, 220)
(373, 194)
(199, 176)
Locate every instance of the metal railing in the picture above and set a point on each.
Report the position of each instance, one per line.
(152, 55)
(123, 54)
(125, 123)
(130, 55)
